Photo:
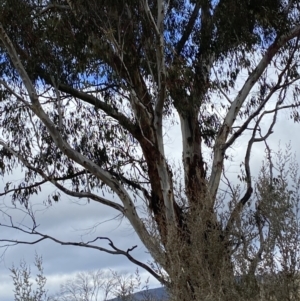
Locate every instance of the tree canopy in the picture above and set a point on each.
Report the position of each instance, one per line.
(87, 89)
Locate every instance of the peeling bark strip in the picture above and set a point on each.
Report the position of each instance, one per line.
(88, 91)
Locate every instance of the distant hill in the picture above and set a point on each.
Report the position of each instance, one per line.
(155, 294)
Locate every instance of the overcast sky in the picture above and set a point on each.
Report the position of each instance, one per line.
(65, 219)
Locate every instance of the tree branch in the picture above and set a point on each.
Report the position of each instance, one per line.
(239, 207)
(188, 29)
(267, 98)
(36, 184)
(98, 104)
(115, 251)
(219, 148)
(129, 207)
(61, 187)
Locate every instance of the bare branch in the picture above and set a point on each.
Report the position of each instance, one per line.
(126, 253)
(219, 148)
(275, 88)
(115, 251)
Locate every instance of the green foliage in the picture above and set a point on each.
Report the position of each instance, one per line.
(89, 90)
(77, 48)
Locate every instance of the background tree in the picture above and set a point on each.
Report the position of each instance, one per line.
(90, 286)
(85, 286)
(21, 277)
(87, 88)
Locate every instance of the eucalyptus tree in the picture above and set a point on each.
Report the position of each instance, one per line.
(88, 89)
